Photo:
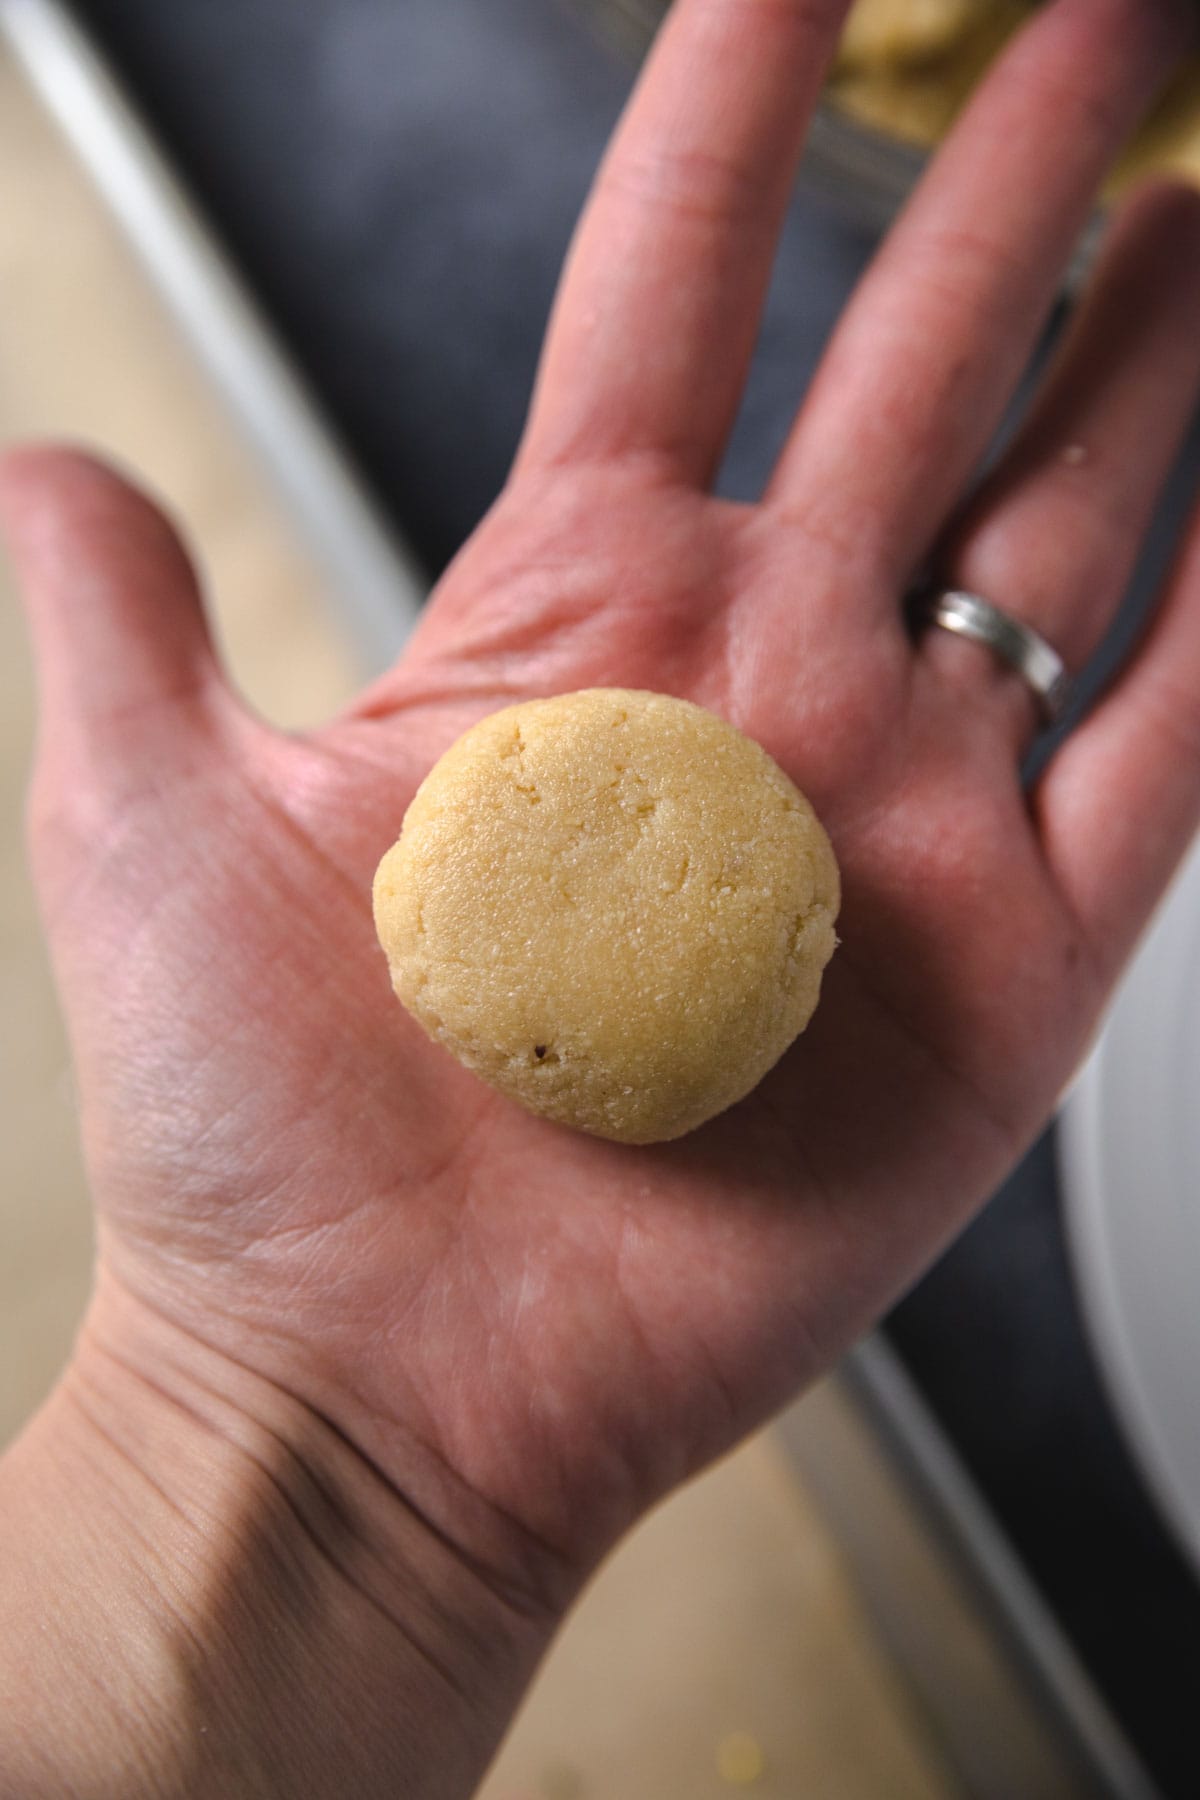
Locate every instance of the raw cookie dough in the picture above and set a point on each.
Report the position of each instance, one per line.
(613, 907)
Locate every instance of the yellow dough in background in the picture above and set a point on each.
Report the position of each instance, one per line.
(906, 68)
(611, 906)
(906, 34)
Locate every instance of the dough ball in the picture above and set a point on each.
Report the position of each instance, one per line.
(613, 907)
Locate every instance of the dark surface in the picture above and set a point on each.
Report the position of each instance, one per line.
(996, 1342)
(398, 180)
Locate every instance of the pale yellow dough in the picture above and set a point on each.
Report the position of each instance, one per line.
(613, 907)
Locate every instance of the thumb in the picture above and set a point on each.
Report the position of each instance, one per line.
(126, 670)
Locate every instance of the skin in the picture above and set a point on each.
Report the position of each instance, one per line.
(379, 1366)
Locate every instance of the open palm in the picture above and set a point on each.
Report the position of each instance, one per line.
(498, 1312)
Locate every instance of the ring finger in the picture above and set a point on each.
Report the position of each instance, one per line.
(1054, 534)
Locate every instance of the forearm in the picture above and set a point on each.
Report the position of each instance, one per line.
(202, 1595)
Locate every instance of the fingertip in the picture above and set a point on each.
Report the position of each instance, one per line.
(109, 590)
(33, 472)
(1148, 268)
(71, 481)
(1174, 23)
(1161, 206)
(65, 503)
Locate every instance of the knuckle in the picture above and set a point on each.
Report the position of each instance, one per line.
(693, 185)
(963, 267)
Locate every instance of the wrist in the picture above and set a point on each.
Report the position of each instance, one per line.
(210, 1591)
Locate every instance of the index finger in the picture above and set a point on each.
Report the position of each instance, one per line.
(660, 303)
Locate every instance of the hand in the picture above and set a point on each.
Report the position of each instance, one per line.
(527, 1335)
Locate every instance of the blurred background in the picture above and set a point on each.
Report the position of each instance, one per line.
(291, 267)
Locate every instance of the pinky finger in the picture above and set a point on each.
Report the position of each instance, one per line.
(1120, 803)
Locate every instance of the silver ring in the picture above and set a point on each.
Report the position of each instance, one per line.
(1039, 665)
